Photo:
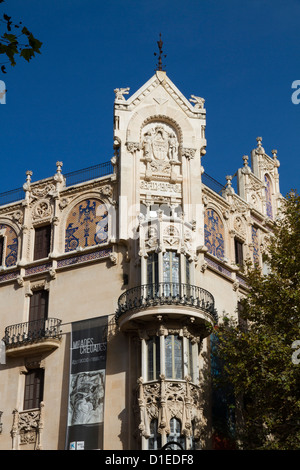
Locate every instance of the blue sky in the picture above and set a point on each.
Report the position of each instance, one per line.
(240, 55)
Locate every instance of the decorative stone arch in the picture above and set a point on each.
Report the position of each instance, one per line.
(165, 120)
(85, 223)
(214, 231)
(175, 118)
(11, 243)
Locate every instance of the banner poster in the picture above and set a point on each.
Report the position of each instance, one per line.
(87, 384)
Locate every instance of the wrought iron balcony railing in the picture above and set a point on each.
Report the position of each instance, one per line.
(38, 330)
(170, 293)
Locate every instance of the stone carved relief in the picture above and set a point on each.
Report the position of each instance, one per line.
(162, 235)
(42, 191)
(239, 227)
(120, 92)
(160, 186)
(42, 209)
(198, 101)
(165, 400)
(28, 426)
(171, 236)
(160, 143)
(152, 238)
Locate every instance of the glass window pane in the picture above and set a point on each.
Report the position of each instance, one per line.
(178, 363)
(150, 360)
(175, 267)
(190, 362)
(153, 360)
(154, 442)
(166, 266)
(168, 356)
(152, 270)
(173, 357)
(175, 434)
(34, 383)
(187, 271)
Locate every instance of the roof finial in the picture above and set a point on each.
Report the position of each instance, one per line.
(160, 44)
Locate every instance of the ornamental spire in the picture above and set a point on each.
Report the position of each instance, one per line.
(160, 44)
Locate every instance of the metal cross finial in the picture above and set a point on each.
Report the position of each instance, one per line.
(160, 44)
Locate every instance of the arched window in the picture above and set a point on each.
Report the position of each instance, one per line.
(175, 434)
(214, 233)
(154, 442)
(9, 246)
(87, 225)
(268, 192)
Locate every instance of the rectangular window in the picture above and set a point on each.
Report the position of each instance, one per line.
(171, 273)
(39, 305)
(152, 275)
(173, 357)
(34, 389)
(190, 361)
(187, 271)
(42, 242)
(153, 350)
(238, 247)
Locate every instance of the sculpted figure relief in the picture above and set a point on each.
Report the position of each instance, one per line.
(120, 92)
(160, 143)
(199, 102)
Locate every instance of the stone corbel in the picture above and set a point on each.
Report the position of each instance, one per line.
(28, 291)
(113, 258)
(203, 267)
(20, 280)
(52, 273)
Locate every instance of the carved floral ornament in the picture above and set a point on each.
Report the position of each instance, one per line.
(160, 236)
(42, 209)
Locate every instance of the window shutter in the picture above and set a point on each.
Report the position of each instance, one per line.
(34, 388)
(238, 245)
(38, 306)
(42, 242)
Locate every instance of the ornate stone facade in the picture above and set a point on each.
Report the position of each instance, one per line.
(151, 245)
